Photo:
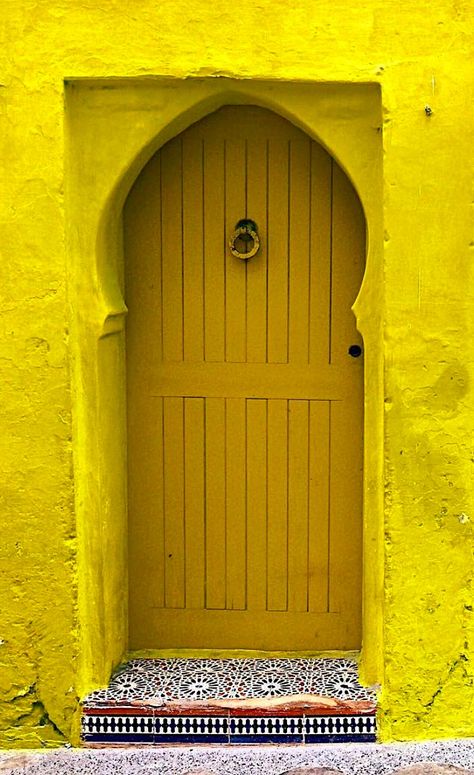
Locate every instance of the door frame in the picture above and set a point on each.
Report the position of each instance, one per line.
(112, 128)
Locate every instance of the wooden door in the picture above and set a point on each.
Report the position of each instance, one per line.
(244, 406)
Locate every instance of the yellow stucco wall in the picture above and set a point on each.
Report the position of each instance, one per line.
(47, 629)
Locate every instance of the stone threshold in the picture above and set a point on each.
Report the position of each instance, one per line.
(446, 757)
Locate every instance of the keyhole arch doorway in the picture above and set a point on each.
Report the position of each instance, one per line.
(245, 403)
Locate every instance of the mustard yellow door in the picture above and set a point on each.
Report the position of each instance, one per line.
(244, 404)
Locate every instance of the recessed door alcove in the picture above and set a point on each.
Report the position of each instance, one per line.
(114, 128)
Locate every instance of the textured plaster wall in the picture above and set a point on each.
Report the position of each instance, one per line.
(420, 57)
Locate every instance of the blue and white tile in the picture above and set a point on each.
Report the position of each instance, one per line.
(189, 679)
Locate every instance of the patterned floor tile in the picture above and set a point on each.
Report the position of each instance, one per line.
(198, 679)
(276, 683)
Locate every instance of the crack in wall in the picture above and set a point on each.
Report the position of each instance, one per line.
(29, 713)
(460, 661)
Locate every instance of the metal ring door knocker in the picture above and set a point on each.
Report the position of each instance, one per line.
(246, 233)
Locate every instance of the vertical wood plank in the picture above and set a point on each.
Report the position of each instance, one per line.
(172, 250)
(142, 247)
(193, 246)
(215, 248)
(145, 489)
(173, 487)
(320, 264)
(257, 266)
(345, 544)
(277, 540)
(236, 532)
(194, 501)
(256, 504)
(318, 537)
(348, 249)
(298, 246)
(215, 503)
(277, 249)
(298, 506)
(236, 270)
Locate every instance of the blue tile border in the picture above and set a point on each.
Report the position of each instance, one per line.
(266, 725)
(322, 739)
(192, 725)
(118, 739)
(264, 739)
(120, 728)
(191, 738)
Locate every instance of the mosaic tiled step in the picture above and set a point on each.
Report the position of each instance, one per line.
(231, 701)
(199, 679)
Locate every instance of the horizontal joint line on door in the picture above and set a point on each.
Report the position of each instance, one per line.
(247, 398)
(245, 610)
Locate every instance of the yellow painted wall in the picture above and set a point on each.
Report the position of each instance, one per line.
(47, 631)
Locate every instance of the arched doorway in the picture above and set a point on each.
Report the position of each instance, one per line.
(244, 402)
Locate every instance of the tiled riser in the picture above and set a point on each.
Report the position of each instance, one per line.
(160, 730)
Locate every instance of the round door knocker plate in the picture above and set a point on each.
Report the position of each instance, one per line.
(245, 242)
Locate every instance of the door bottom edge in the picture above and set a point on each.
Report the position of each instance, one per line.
(202, 653)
